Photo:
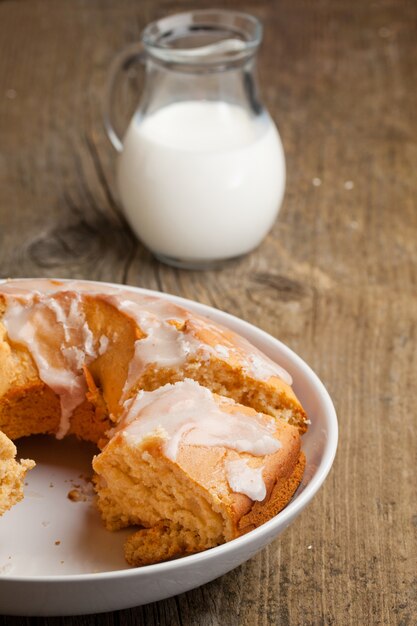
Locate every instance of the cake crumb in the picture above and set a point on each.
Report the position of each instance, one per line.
(75, 495)
(5, 568)
(57, 542)
(81, 493)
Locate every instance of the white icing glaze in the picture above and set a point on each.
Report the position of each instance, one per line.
(222, 350)
(163, 343)
(253, 361)
(103, 344)
(54, 330)
(262, 367)
(245, 479)
(173, 347)
(20, 286)
(188, 413)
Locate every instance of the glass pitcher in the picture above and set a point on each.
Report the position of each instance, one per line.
(201, 168)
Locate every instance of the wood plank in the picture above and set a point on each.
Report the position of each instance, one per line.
(336, 279)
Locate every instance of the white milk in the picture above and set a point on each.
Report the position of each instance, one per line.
(201, 180)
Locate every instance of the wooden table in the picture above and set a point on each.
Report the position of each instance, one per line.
(336, 279)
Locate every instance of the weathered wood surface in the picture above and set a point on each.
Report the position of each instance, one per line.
(336, 279)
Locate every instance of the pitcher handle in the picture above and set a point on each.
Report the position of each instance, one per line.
(122, 62)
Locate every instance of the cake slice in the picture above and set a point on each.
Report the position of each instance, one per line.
(12, 474)
(174, 343)
(192, 470)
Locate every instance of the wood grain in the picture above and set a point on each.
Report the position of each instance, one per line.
(336, 279)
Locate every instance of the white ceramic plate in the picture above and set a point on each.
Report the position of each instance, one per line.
(57, 559)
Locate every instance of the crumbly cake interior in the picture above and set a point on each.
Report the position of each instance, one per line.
(224, 380)
(12, 474)
(143, 489)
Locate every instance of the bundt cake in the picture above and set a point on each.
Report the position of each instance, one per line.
(199, 431)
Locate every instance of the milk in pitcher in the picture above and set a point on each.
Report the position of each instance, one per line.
(201, 180)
